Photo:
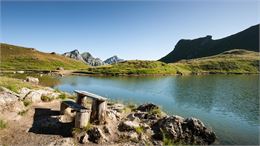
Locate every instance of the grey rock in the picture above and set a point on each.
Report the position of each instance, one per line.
(74, 55)
(50, 93)
(118, 107)
(85, 139)
(188, 131)
(60, 68)
(33, 96)
(85, 57)
(32, 80)
(23, 92)
(113, 60)
(89, 59)
(147, 107)
(10, 102)
(128, 125)
(20, 72)
(96, 135)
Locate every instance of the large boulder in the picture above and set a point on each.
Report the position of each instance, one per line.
(33, 96)
(147, 107)
(32, 80)
(23, 92)
(188, 131)
(50, 93)
(3, 89)
(128, 125)
(10, 102)
(118, 107)
(96, 135)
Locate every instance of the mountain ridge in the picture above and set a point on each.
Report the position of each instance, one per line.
(87, 58)
(247, 39)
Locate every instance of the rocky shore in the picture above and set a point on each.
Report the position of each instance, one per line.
(34, 114)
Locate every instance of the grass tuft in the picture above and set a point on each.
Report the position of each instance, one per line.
(3, 124)
(27, 102)
(23, 112)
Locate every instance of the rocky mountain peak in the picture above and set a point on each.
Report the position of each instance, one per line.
(113, 59)
(74, 55)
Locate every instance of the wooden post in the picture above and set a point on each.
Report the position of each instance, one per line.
(82, 119)
(102, 108)
(98, 111)
(80, 99)
(63, 107)
(94, 111)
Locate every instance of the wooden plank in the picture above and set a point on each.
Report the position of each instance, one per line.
(74, 105)
(91, 95)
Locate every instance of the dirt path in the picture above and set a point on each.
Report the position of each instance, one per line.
(38, 126)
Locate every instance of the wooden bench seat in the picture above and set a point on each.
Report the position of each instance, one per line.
(82, 114)
(98, 108)
(73, 105)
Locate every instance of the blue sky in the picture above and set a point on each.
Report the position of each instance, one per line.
(145, 30)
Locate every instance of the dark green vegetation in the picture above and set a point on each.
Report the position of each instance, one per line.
(21, 58)
(203, 47)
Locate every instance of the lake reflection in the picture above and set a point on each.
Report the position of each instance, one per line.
(229, 104)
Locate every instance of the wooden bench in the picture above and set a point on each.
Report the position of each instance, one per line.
(82, 114)
(98, 108)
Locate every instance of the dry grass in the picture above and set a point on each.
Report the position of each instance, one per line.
(21, 58)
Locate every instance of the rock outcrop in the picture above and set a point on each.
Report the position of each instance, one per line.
(85, 57)
(32, 80)
(74, 55)
(180, 130)
(113, 60)
(89, 59)
(10, 102)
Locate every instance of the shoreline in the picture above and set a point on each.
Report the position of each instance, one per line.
(82, 73)
(125, 123)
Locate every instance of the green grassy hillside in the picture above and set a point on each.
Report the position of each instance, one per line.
(134, 67)
(21, 58)
(235, 61)
(204, 47)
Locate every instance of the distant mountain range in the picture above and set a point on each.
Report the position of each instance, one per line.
(205, 46)
(87, 58)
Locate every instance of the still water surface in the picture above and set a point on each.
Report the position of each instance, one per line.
(229, 104)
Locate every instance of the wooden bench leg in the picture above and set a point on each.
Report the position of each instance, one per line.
(82, 119)
(98, 111)
(63, 107)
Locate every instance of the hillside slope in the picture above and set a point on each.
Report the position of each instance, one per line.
(21, 58)
(203, 47)
(230, 62)
(233, 61)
